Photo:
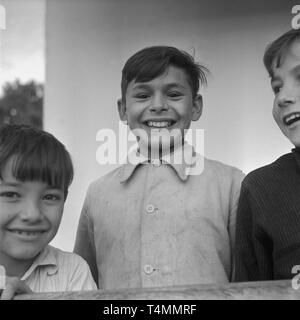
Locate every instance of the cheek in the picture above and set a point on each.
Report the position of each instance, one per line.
(59, 214)
(7, 213)
(275, 112)
(135, 115)
(185, 112)
(54, 215)
(133, 111)
(4, 220)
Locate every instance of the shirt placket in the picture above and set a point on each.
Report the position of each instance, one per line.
(154, 256)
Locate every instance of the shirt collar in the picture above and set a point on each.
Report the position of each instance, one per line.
(181, 160)
(296, 152)
(45, 258)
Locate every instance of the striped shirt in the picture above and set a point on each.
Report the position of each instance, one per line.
(55, 270)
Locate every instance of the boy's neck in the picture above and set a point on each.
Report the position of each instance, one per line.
(15, 267)
(160, 152)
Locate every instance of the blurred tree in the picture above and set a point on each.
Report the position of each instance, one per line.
(22, 104)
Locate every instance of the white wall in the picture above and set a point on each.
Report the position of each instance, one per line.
(88, 41)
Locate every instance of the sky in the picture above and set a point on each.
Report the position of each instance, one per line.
(22, 43)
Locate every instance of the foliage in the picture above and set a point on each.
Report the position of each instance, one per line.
(22, 104)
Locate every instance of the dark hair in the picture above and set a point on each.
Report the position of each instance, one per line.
(39, 156)
(151, 62)
(278, 48)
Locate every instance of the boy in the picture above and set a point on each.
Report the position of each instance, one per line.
(35, 174)
(153, 223)
(268, 221)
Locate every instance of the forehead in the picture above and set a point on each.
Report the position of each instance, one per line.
(289, 60)
(171, 76)
(7, 173)
(7, 169)
(8, 178)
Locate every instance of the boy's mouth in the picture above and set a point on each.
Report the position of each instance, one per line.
(291, 118)
(26, 232)
(159, 124)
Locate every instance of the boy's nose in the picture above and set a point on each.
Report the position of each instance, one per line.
(31, 212)
(158, 104)
(286, 98)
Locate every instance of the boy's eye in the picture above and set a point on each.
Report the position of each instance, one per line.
(276, 85)
(52, 197)
(276, 89)
(175, 94)
(10, 195)
(142, 95)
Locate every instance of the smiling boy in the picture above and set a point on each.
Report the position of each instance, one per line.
(152, 224)
(268, 221)
(171, 88)
(35, 173)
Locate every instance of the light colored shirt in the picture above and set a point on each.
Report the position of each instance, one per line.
(153, 225)
(55, 270)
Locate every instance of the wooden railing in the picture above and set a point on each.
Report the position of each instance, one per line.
(274, 290)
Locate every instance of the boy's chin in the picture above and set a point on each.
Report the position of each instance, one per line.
(296, 145)
(295, 141)
(157, 148)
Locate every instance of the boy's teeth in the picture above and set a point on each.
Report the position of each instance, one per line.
(158, 124)
(27, 233)
(292, 118)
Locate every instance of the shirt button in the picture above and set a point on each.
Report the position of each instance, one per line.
(150, 208)
(148, 269)
(156, 162)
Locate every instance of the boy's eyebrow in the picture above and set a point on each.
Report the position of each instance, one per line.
(273, 79)
(295, 70)
(140, 86)
(10, 184)
(175, 85)
(18, 184)
(168, 85)
(54, 189)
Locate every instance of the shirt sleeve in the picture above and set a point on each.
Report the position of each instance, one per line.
(253, 260)
(84, 243)
(81, 278)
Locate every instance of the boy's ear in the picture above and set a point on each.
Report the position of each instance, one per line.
(122, 110)
(197, 107)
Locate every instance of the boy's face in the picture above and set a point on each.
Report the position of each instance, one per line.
(286, 86)
(165, 102)
(30, 214)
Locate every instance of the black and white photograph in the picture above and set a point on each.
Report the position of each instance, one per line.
(149, 153)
